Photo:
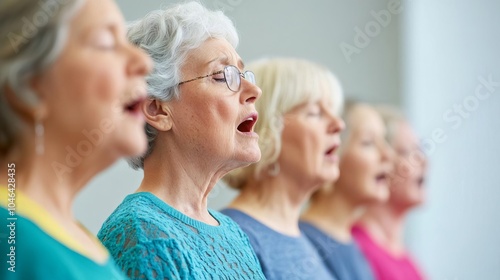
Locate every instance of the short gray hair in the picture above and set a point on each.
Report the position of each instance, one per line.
(167, 36)
(32, 35)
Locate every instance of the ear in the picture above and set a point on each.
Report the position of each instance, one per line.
(28, 112)
(157, 114)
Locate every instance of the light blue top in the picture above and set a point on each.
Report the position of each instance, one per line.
(151, 240)
(29, 252)
(281, 256)
(345, 260)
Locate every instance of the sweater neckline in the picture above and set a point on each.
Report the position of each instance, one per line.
(173, 212)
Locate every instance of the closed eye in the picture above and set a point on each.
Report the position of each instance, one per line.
(220, 80)
(367, 142)
(219, 76)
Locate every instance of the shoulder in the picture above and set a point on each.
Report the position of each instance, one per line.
(245, 221)
(135, 215)
(48, 257)
(314, 234)
(139, 222)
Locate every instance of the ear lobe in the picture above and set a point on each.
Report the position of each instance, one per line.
(157, 114)
(25, 110)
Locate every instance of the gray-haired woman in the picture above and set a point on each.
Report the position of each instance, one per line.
(70, 86)
(200, 118)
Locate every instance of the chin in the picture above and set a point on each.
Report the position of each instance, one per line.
(250, 157)
(134, 146)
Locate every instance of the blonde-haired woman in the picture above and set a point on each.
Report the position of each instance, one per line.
(364, 169)
(299, 132)
(70, 89)
(380, 233)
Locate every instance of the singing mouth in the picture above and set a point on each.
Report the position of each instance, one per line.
(134, 106)
(248, 124)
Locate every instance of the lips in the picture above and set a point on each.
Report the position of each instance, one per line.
(134, 106)
(382, 178)
(247, 125)
(331, 150)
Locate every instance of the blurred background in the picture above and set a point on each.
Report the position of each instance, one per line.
(438, 60)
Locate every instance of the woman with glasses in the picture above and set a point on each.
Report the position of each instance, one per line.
(70, 89)
(299, 132)
(200, 116)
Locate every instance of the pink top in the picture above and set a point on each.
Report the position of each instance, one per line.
(385, 266)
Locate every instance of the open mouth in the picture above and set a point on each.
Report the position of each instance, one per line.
(382, 178)
(247, 125)
(331, 151)
(134, 107)
(420, 182)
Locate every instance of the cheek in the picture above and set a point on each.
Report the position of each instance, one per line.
(97, 89)
(306, 142)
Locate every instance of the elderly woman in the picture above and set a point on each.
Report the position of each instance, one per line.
(70, 86)
(200, 117)
(364, 168)
(299, 130)
(380, 231)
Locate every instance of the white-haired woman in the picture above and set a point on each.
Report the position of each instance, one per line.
(380, 233)
(200, 116)
(70, 86)
(299, 130)
(365, 164)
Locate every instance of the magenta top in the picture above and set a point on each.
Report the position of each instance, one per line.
(385, 265)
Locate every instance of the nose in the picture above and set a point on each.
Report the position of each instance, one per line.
(140, 64)
(336, 124)
(387, 152)
(249, 92)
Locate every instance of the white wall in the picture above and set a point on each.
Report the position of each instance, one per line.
(307, 29)
(448, 45)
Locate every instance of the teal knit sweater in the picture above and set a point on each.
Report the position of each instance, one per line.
(151, 240)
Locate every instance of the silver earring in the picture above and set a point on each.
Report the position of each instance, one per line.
(39, 135)
(274, 169)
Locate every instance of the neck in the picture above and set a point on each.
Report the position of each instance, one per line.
(334, 213)
(182, 183)
(274, 201)
(54, 178)
(386, 226)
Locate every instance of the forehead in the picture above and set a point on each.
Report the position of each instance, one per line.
(213, 51)
(363, 118)
(405, 135)
(97, 13)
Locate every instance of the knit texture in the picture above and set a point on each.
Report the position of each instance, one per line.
(282, 257)
(151, 240)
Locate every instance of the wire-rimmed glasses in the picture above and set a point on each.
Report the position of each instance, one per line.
(232, 76)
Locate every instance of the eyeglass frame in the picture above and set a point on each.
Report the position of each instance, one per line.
(223, 71)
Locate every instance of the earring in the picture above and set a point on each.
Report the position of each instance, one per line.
(39, 133)
(274, 169)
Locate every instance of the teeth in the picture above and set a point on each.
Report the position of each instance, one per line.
(249, 119)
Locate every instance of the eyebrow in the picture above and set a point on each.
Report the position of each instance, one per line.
(225, 59)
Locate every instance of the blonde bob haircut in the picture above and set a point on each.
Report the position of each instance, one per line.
(286, 83)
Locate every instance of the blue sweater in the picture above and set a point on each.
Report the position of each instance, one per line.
(281, 256)
(151, 240)
(345, 260)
